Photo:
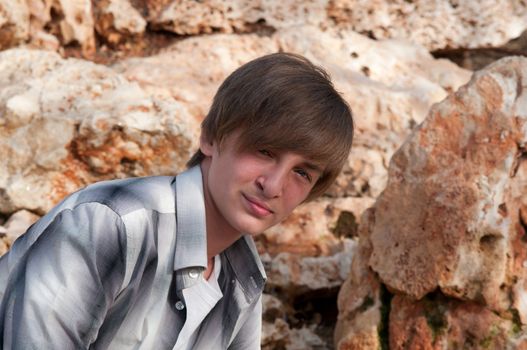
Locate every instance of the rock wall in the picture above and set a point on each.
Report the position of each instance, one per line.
(435, 25)
(92, 90)
(446, 237)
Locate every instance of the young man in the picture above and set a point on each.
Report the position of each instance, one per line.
(169, 262)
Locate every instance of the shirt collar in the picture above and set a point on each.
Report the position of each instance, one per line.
(191, 237)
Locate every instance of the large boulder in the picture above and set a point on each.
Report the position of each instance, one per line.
(436, 25)
(440, 24)
(14, 23)
(67, 123)
(452, 219)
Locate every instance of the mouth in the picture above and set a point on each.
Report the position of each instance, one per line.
(257, 207)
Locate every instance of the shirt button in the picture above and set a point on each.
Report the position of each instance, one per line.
(193, 274)
(179, 305)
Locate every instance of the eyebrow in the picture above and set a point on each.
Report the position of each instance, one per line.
(313, 167)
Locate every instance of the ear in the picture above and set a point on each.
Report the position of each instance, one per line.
(205, 146)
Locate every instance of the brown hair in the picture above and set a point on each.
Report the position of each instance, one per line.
(283, 102)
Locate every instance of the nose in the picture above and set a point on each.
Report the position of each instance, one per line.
(272, 183)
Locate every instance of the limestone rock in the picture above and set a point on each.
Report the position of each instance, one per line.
(277, 334)
(14, 23)
(359, 301)
(437, 322)
(453, 213)
(295, 275)
(115, 20)
(447, 234)
(313, 228)
(67, 123)
(234, 16)
(18, 223)
(434, 24)
(77, 23)
(193, 69)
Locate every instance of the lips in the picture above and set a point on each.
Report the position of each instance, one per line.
(257, 207)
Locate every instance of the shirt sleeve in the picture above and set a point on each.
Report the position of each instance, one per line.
(59, 292)
(250, 334)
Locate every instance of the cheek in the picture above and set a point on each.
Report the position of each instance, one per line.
(297, 194)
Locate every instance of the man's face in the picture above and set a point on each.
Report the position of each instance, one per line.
(249, 191)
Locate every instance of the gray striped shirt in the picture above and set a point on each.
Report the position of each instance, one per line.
(106, 269)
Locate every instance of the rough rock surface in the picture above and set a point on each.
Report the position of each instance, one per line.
(441, 323)
(452, 219)
(235, 16)
(277, 334)
(117, 20)
(434, 24)
(359, 300)
(77, 24)
(192, 69)
(18, 223)
(14, 23)
(66, 123)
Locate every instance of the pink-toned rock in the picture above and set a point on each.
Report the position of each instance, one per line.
(437, 24)
(193, 69)
(359, 301)
(18, 223)
(451, 214)
(438, 323)
(14, 23)
(117, 20)
(77, 24)
(447, 235)
(67, 123)
(234, 16)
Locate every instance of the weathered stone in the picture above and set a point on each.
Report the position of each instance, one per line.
(277, 334)
(77, 24)
(67, 123)
(314, 228)
(18, 223)
(116, 20)
(4, 247)
(295, 274)
(438, 323)
(359, 301)
(14, 23)
(193, 69)
(434, 24)
(451, 214)
(235, 16)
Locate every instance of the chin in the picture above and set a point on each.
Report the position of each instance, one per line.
(253, 227)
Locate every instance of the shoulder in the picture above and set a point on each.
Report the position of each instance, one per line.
(155, 193)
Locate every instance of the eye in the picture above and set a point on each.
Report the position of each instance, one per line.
(304, 174)
(265, 153)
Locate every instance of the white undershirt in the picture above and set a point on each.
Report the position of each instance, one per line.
(200, 299)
